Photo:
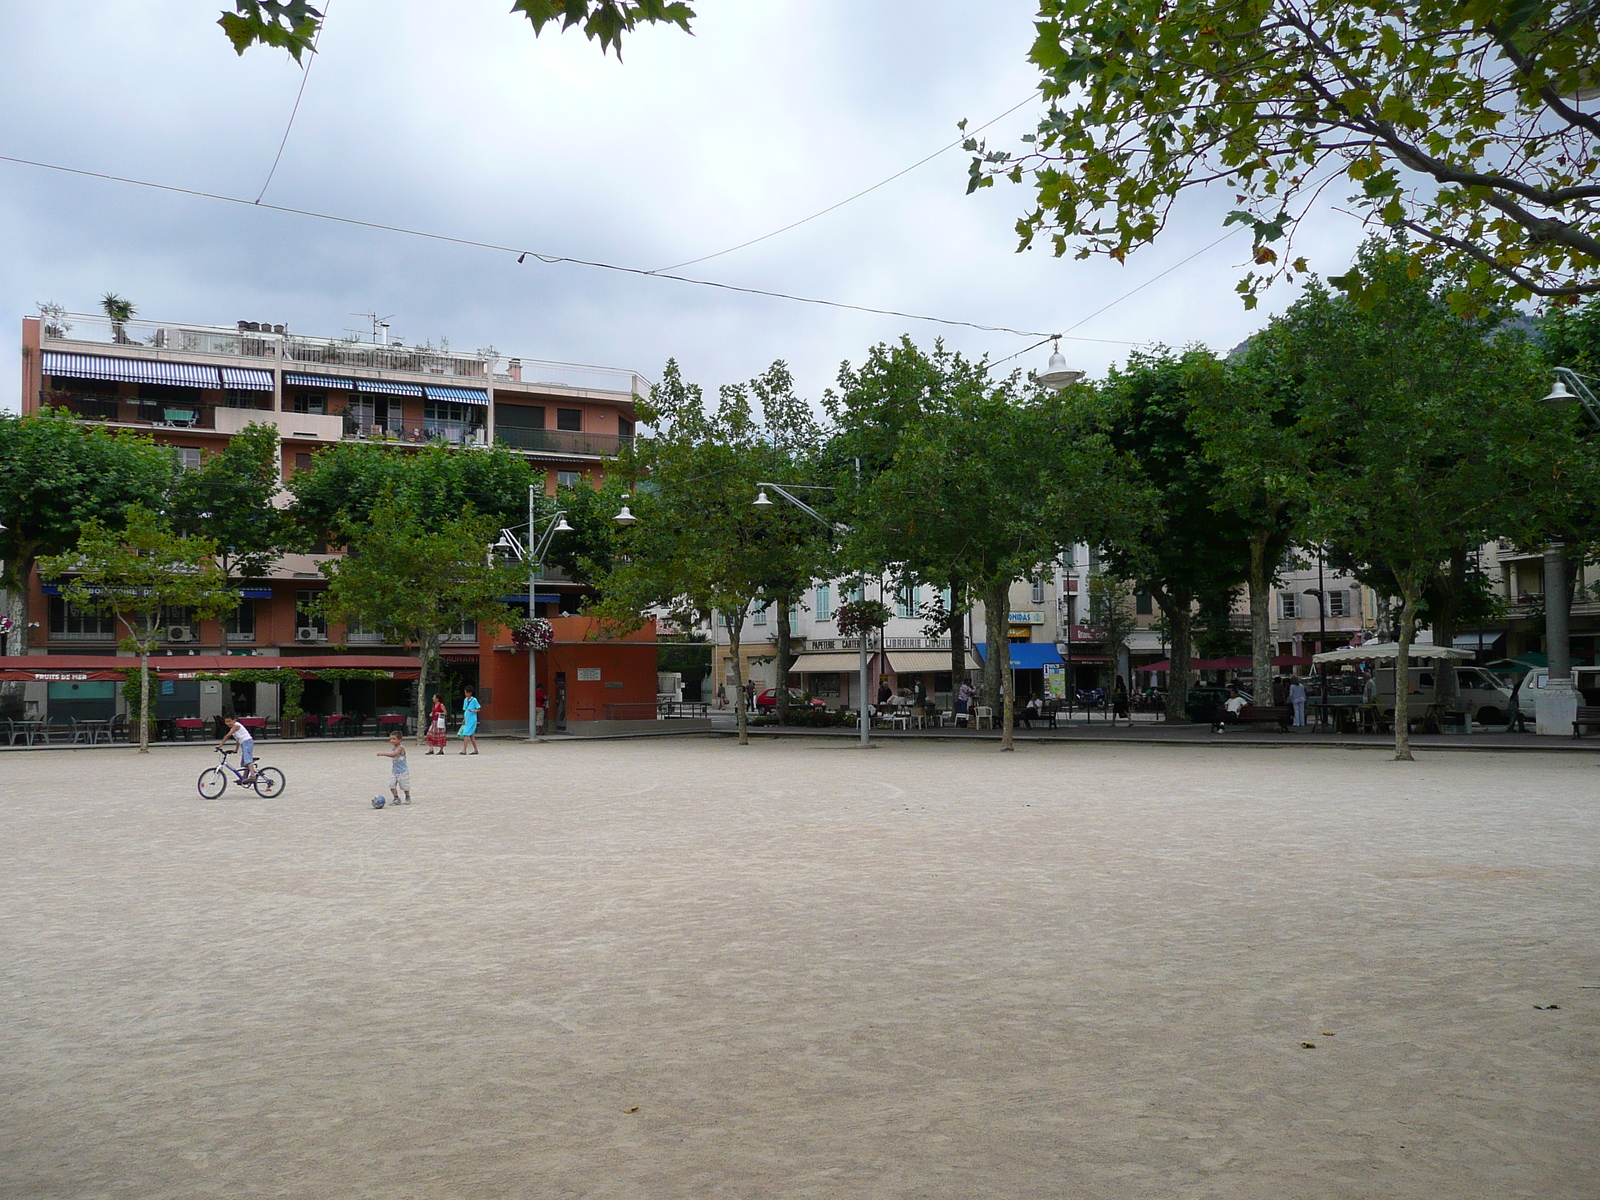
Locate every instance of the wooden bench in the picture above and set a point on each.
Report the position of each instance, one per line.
(1260, 714)
(1587, 715)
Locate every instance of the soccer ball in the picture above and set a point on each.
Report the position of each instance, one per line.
(378, 801)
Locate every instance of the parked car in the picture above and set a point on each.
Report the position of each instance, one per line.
(1205, 702)
(768, 700)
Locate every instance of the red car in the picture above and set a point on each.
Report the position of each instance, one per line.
(768, 700)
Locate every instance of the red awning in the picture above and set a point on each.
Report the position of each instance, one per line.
(1237, 662)
(74, 667)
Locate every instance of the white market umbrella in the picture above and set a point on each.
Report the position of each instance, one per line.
(1387, 652)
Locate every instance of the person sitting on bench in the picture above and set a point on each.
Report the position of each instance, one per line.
(1231, 708)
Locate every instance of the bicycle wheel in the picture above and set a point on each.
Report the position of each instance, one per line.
(213, 783)
(269, 782)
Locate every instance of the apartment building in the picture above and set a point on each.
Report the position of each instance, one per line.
(192, 387)
(1053, 644)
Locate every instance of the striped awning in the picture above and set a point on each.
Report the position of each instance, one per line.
(916, 662)
(130, 370)
(247, 379)
(387, 387)
(456, 395)
(319, 381)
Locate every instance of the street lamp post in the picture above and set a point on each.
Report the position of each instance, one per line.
(1557, 703)
(761, 501)
(533, 553)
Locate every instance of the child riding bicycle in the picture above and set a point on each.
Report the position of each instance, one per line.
(246, 743)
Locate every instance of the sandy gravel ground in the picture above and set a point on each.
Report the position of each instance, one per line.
(661, 969)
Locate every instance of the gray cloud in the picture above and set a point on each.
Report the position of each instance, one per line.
(472, 126)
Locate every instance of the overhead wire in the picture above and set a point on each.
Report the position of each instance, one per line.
(549, 259)
(305, 75)
(848, 199)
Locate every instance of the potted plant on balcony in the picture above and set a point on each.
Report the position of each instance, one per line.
(119, 311)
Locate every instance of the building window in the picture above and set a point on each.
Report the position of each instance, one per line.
(248, 398)
(906, 601)
(569, 478)
(240, 624)
(570, 418)
(188, 457)
(1144, 604)
(1338, 604)
(518, 416)
(761, 616)
(72, 622)
(305, 618)
(1038, 591)
(624, 427)
(1288, 606)
(178, 624)
(302, 461)
(310, 402)
(824, 602)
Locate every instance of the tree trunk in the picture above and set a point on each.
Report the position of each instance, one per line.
(958, 641)
(1175, 604)
(11, 693)
(735, 620)
(1260, 619)
(994, 631)
(144, 700)
(1402, 674)
(425, 653)
(785, 660)
(997, 604)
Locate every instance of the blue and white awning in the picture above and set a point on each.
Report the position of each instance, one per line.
(130, 370)
(387, 387)
(456, 395)
(318, 381)
(247, 379)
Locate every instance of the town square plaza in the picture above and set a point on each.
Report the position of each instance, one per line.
(680, 968)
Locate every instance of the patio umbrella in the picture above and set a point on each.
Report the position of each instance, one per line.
(1387, 652)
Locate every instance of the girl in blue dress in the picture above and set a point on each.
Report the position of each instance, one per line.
(469, 721)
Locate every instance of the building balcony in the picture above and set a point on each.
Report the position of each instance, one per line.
(563, 441)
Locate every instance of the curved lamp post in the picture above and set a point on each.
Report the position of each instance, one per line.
(533, 553)
(1557, 696)
(762, 501)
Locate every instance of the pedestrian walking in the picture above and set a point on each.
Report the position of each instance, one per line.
(435, 736)
(469, 721)
(400, 771)
(963, 703)
(1297, 700)
(750, 695)
(1119, 703)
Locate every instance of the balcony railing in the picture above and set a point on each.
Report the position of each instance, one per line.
(277, 344)
(562, 441)
(165, 414)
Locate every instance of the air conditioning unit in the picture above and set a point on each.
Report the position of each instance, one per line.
(180, 633)
(307, 633)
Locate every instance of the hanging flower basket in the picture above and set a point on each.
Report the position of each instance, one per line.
(5, 624)
(534, 633)
(861, 617)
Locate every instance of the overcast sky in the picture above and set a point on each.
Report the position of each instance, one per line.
(454, 118)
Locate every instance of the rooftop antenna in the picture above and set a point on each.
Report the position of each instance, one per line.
(380, 326)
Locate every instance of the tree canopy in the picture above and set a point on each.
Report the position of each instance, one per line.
(232, 497)
(1459, 125)
(292, 25)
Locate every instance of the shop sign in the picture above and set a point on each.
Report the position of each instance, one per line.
(1027, 618)
(588, 674)
(60, 676)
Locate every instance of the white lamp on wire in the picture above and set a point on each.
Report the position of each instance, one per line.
(1057, 375)
(625, 517)
(761, 500)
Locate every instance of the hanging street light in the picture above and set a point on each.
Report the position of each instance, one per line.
(1057, 375)
(761, 500)
(625, 517)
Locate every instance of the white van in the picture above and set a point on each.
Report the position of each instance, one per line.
(1585, 679)
(1487, 696)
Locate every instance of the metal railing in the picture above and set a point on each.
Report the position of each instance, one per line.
(278, 344)
(562, 441)
(167, 414)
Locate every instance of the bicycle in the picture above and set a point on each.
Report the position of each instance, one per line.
(267, 781)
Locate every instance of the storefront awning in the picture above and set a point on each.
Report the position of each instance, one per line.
(388, 387)
(918, 662)
(247, 379)
(812, 664)
(456, 395)
(1029, 656)
(319, 381)
(130, 370)
(74, 667)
